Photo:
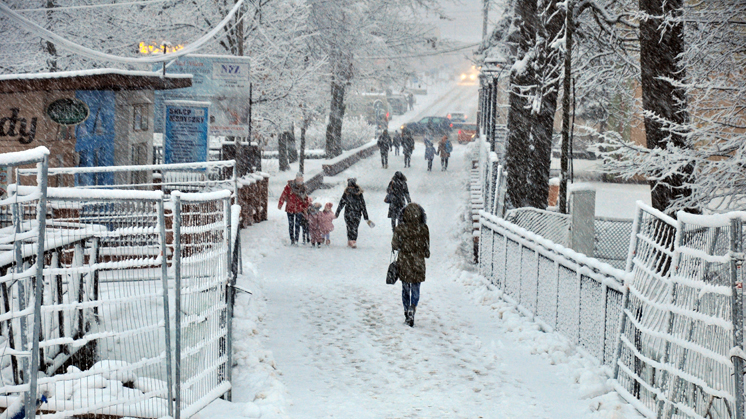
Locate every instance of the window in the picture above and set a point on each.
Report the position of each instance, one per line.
(138, 157)
(140, 117)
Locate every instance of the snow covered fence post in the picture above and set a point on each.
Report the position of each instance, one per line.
(41, 212)
(176, 200)
(230, 291)
(166, 311)
(736, 263)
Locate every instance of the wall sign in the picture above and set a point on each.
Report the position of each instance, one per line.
(185, 139)
(68, 111)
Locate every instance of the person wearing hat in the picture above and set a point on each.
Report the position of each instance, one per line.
(295, 195)
(353, 203)
(412, 241)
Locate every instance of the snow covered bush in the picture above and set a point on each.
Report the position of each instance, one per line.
(356, 131)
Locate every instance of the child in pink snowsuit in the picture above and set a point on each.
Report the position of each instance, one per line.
(326, 223)
(313, 215)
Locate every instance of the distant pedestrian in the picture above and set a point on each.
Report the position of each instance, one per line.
(407, 147)
(429, 154)
(444, 151)
(353, 203)
(410, 100)
(412, 240)
(296, 196)
(396, 142)
(397, 194)
(384, 144)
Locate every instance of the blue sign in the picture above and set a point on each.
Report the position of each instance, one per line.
(185, 137)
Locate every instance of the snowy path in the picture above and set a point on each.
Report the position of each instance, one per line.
(336, 334)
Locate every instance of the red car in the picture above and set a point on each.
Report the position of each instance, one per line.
(466, 133)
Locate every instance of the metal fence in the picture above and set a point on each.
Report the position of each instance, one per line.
(185, 177)
(562, 290)
(550, 225)
(681, 346)
(668, 326)
(131, 313)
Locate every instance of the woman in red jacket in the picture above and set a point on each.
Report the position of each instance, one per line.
(296, 196)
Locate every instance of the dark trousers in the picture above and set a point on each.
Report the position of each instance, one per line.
(407, 160)
(384, 158)
(444, 163)
(294, 222)
(353, 222)
(305, 232)
(410, 294)
(430, 165)
(396, 150)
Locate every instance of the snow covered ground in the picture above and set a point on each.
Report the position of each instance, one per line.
(322, 336)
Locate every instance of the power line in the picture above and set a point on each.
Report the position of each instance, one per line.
(97, 55)
(91, 6)
(430, 54)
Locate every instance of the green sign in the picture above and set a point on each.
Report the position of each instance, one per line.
(68, 111)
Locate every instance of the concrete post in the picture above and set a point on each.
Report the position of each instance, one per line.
(582, 216)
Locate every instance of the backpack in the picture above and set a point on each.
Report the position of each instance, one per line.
(449, 147)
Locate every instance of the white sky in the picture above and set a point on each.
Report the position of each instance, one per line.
(466, 20)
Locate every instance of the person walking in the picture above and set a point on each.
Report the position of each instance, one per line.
(410, 100)
(384, 144)
(396, 142)
(429, 154)
(444, 151)
(295, 195)
(412, 241)
(353, 203)
(397, 194)
(407, 147)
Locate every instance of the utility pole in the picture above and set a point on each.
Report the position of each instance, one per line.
(565, 157)
(485, 15)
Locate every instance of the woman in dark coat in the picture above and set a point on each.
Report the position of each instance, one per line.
(412, 240)
(398, 194)
(353, 203)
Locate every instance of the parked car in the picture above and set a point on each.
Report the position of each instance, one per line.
(466, 133)
(436, 126)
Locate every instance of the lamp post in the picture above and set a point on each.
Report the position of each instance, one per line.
(492, 70)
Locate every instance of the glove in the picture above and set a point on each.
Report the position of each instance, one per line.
(371, 224)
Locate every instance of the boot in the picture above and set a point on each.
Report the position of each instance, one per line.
(328, 242)
(409, 317)
(349, 243)
(354, 244)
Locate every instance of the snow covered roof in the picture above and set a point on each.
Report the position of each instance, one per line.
(94, 79)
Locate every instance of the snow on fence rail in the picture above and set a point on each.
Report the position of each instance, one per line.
(134, 303)
(681, 345)
(669, 327)
(562, 290)
(186, 177)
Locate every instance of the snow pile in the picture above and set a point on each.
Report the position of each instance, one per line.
(591, 378)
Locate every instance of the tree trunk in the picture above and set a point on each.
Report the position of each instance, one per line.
(50, 48)
(518, 148)
(302, 156)
(282, 152)
(336, 115)
(543, 128)
(659, 48)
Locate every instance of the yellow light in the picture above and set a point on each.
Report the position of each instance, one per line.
(473, 76)
(463, 77)
(158, 49)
